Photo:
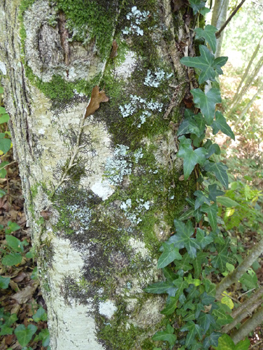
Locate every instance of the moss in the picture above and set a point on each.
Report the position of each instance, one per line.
(92, 18)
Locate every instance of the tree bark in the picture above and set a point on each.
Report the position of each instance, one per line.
(100, 192)
(218, 19)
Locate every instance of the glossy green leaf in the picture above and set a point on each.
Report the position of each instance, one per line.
(4, 282)
(12, 259)
(169, 274)
(249, 279)
(200, 199)
(4, 118)
(211, 340)
(5, 330)
(40, 315)
(206, 321)
(184, 264)
(220, 124)
(207, 102)
(243, 345)
(182, 238)
(192, 124)
(2, 193)
(44, 336)
(227, 202)
(170, 306)
(24, 335)
(213, 149)
(219, 170)
(11, 227)
(197, 5)
(220, 260)
(207, 63)
(170, 253)
(191, 157)
(192, 329)
(14, 243)
(214, 192)
(208, 33)
(190, 280)
(166, 335)
(203, 239)
(161, 288)
(211, 211)
(5, 145)
(225, 343)
(2, 110)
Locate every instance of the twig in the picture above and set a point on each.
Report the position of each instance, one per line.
(218, 33)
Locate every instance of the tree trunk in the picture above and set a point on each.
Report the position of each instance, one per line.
(102, 185)
(218, 19)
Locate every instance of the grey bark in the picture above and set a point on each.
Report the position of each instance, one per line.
(218, 19)
(107, 185)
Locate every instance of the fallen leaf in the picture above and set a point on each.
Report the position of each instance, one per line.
(114, 48)
(97, 97)
(22, 296)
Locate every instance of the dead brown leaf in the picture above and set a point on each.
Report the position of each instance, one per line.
(23, 296)
(97, 97)
(114, 48)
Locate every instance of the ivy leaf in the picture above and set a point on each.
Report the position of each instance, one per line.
(170, 253)
(184, 264)
(222, 258)
(166, 335)
(44, 336)
(191, 157)
(221, 124)
(207, 102)
(213, 148)
(201, 199)
(207, 299)
(214, 192)
(243, 344)
(161, 288)
(219, 170)
(211, 340)
(227, 202)
(249, 279)
(169, 274)
(24, 335)
(192, 124)
(5, 144)
(12, 259)
(40, 315)
(182, 239)
(189, 279)
(202, 239)
(4, 118)
(14, 243)
(208, 33)
(211, 214)
(4, 282)
(201, 258)
(197, 5)
(205, 321)
(207, 63)
(222, 318)
(193, 330)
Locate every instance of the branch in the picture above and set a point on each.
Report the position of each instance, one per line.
(229, 19)
(244, 310)
(240, 270)
(249, 326)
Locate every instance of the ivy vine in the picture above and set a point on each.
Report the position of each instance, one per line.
(198, 248)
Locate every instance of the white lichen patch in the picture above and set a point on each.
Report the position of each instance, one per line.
(118, 165)
(136, 17)
(103, 189)
(138, 103)
(134, 215)
(154, 79)
(126, 69)
(71, 326)
(3, 68)
(139, 247)
(107, 308)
